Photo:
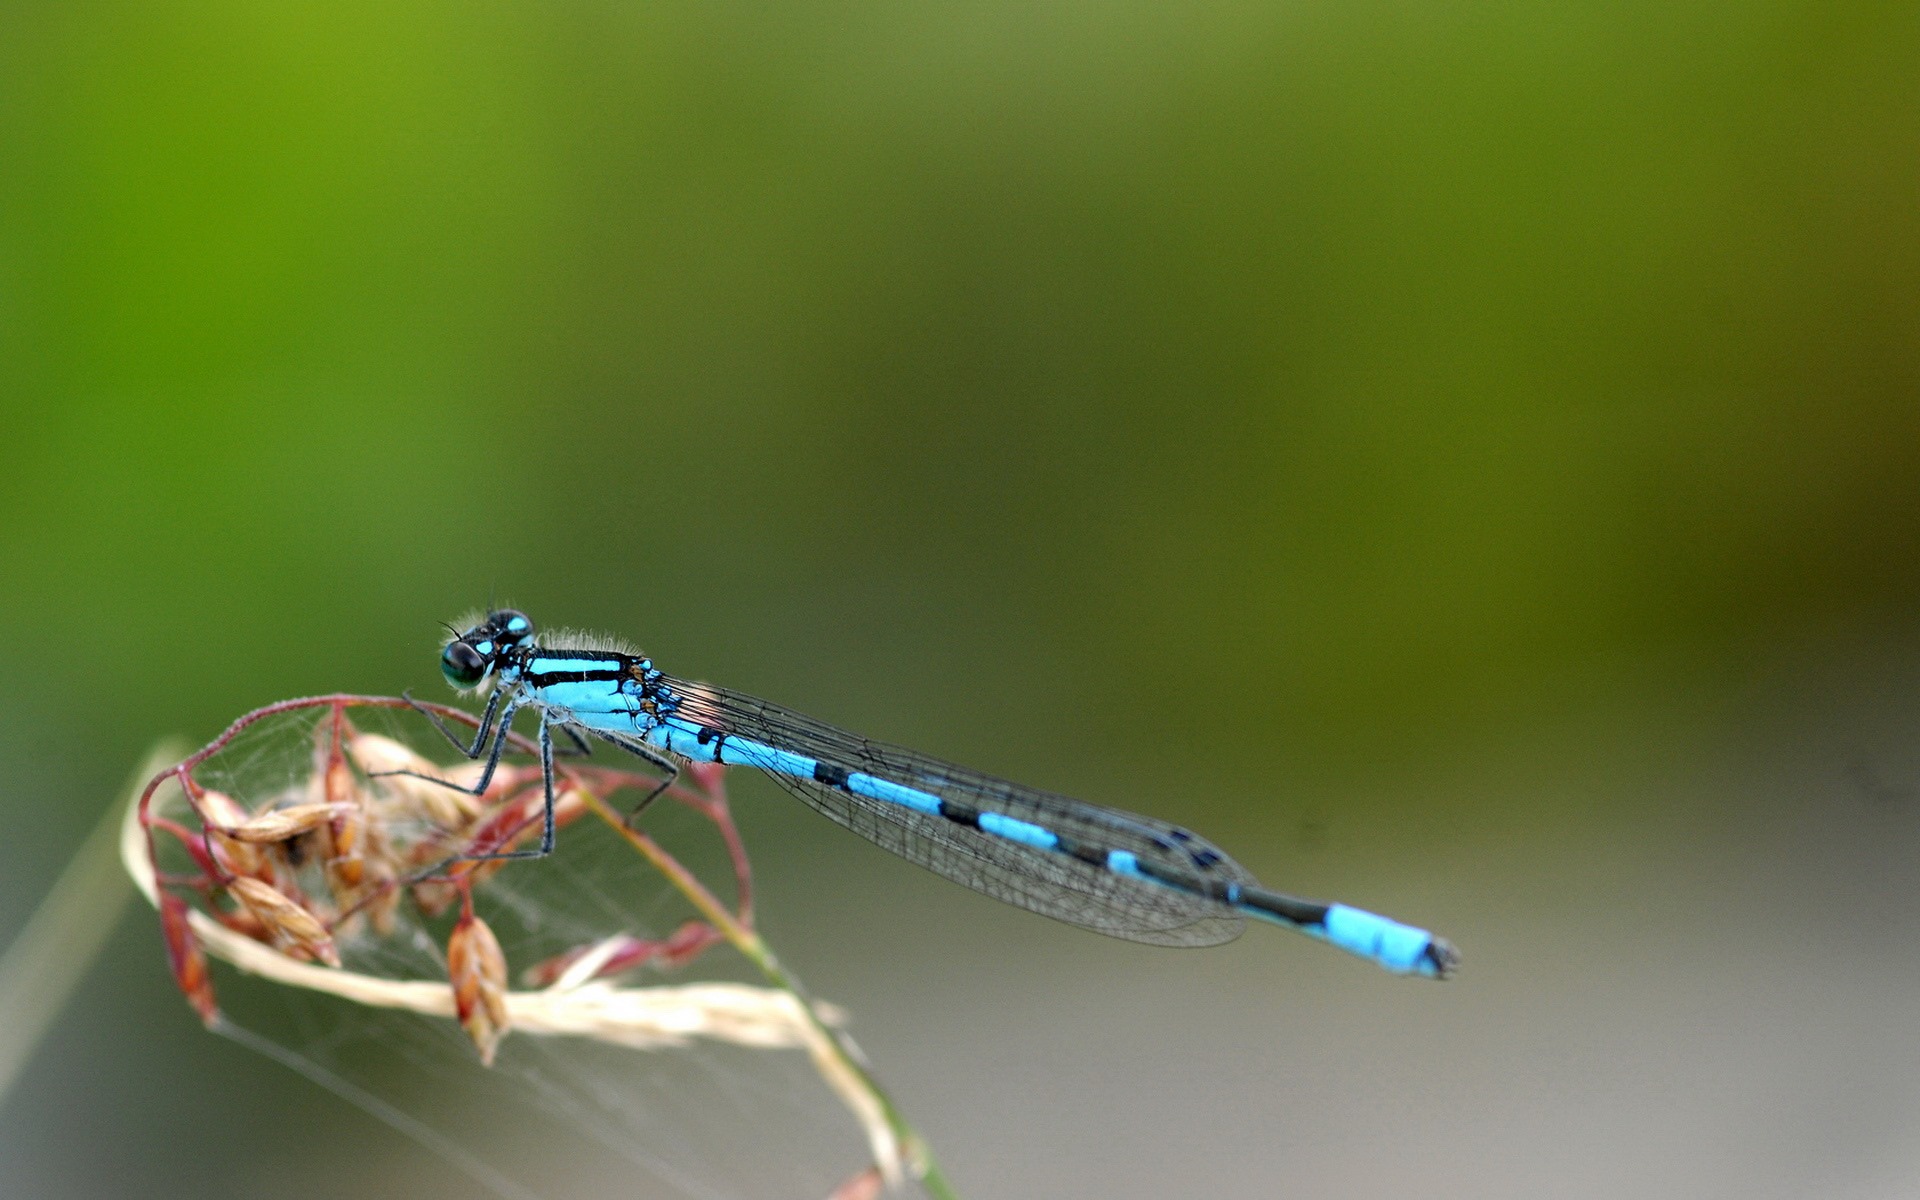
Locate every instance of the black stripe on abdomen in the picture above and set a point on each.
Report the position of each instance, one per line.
(960, 814)
(1300, 912)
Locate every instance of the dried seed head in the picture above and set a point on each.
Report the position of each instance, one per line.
(284, 823)
(238, 858)
(341, 786)
(478, 971)
(290, 923)
(347, 869)
(221, 812)
(332, 786)
(184, 957)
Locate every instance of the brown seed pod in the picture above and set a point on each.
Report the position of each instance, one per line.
(341, 786)
(220, 813)
(184, 957)
(221, 810)
(346, 869)
(292, 925)
(478, 971)
(283, 823)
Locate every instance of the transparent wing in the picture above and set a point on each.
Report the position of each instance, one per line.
(1043, 881)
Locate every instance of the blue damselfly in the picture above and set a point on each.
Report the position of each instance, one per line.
(1113, 872)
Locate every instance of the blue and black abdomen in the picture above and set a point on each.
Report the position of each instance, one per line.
(1119, 873)
(1115, 872)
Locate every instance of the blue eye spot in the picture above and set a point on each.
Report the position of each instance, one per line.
(508, 627)
(484, 647)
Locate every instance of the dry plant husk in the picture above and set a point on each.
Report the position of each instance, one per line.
(580, 1003)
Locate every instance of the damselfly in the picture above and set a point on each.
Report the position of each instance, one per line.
(1114, 872)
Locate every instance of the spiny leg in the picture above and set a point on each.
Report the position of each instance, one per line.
(479, 735)
(581, 748)
(546, 812)
(643, 751)
(501, 730)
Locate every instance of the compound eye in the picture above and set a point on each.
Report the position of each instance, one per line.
(510, 626)
(463, 665)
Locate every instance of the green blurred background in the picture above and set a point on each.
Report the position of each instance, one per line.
(1463, 457)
